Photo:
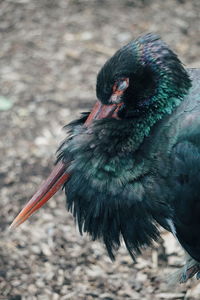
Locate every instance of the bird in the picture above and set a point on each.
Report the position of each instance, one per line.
(132, 164)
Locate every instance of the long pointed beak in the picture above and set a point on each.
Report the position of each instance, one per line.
(58, 175)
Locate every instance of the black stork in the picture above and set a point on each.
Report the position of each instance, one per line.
(133, 162)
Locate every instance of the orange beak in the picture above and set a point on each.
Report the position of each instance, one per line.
(58, 175)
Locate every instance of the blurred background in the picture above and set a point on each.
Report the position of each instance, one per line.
(50, 53)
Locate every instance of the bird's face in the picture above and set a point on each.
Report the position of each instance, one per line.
(114, 78)
(127, 81)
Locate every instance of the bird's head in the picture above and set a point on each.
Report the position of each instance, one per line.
(141, 82)
(143, 75)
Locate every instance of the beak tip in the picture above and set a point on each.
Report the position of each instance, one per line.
(53, 183)
(15, 223)
(12, 226)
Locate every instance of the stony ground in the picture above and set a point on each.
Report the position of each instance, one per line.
(50, 53)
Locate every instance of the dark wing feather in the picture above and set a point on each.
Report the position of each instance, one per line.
(186, 177)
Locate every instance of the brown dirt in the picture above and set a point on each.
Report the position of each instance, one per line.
(51, 51)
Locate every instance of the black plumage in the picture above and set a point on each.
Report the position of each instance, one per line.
(131, 174)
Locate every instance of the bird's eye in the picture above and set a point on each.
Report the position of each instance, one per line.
(121, 85)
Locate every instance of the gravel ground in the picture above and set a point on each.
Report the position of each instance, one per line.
(50, 54)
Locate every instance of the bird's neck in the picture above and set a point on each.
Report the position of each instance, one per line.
(163, 103)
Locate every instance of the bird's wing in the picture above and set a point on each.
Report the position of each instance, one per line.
(186, 176)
